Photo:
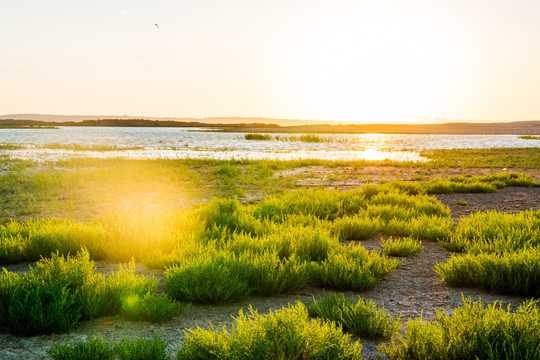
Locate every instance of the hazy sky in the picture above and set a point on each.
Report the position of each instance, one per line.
(366, 61)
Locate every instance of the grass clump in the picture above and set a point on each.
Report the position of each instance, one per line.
(62, 291)
(312, 139)
(97, 348)
(517, 158)
(227, 277)
(514, 273)
(356, 228)
(403, 247)
(149, 307)
(206, 280)
(92, 349)
(31, 240)
(256, 136)
(497, 232)
(473, 331)
(351, 268)
(282, 334)
(363, 318)
(141, 349)
(501, 253)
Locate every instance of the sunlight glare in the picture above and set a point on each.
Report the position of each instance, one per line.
(388, 67)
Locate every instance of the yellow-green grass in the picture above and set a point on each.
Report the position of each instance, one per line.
(472, 331)
(97, 348)
(363, 318)
(83, 188)
(395, 208)
(402, 247)
(287, 333)
(256, 136)
(59, 292)
(501, 253)
(513, 158)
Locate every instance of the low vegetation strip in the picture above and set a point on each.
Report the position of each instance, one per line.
(62, 291)
(473, 331)
(97, 348)
(288, 333)
(362, 318)
(403, 247)
(308, 138)
(280, 244)
(501, 253)
(524, 158)
(511, 273)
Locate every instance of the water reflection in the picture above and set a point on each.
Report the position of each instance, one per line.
(181, 143)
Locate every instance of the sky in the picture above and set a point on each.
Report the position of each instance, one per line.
(366, 61)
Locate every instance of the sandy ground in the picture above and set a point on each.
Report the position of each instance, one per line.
(413, 289)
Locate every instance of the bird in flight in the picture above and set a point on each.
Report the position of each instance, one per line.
(157, 26)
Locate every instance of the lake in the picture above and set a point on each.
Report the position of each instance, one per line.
(181, 143)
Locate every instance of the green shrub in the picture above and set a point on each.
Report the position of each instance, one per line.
(510, 273)
(227, 277)
(29, 307)
(353, 268)
(61, 291)
(267, 274)
(255, 136)
(363, 319)
(453, 185)
(511, 179)
(117, 236)
(472, 332)
(93, 349)
(420, 204)
(319, 203)
(31, 240)
(433, 228)
(152, 308)
(284, 334)
(313, 139)
(98, 349)
(206, 280)
(498, 232)
(501, 253)
(401, 247)
(141, 349)
(227, 216)
(355, 228)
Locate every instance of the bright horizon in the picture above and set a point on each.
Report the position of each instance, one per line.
(385, 61)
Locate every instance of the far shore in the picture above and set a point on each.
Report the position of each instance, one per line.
(508, 128)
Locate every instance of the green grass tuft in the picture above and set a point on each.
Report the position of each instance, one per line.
(98, 349)
(256, 136)
(403, 247)
(61, 291)
(471, 332)
(284, 334)
(362, 318)
(93, 349)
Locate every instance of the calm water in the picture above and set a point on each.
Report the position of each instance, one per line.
(180, 143)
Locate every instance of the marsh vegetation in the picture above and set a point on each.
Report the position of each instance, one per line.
(237, 232)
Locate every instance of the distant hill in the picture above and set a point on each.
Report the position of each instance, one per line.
(210, 120)
(509, 128)
(238, 124)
